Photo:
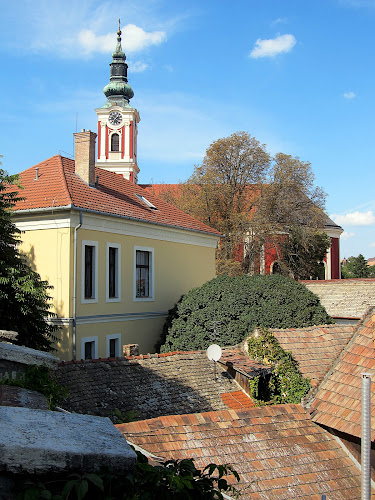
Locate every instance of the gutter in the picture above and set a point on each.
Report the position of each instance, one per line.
(99, 212)
(75, 287)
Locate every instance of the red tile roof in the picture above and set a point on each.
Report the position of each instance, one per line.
(237, 400)
(241, 362)
(277, 450)
(152, 385)
(338, 401)
(315, 348)
(58, 186)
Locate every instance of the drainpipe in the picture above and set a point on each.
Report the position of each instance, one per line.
(366, 437)
(75, 287)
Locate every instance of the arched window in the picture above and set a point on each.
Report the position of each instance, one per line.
(115, 142)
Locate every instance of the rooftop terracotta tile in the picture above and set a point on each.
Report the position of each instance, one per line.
(181, 383)
(58, 186)
(338, 401)
(275, 462)
(315, 348)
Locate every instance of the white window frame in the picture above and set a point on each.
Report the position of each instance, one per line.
(89, 339)
(118, 273)
(116, 336)
(94, 299)
(151, 296)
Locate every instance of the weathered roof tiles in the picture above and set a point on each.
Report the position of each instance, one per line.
(277, 450)
(338, 401)
(155, 385)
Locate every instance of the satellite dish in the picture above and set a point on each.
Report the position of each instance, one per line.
(214, 352)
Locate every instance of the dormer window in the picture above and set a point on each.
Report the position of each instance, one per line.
(146, 202)
(115, 142)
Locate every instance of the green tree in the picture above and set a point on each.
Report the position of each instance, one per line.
(356, 267)
(24, 300)
(217, 192)
(293, 206)
(303, 253)
(235, 306)
(251, 199)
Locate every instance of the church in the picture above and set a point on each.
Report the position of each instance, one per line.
(118, 257)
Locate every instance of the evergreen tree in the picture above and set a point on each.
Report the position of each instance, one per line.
(24, 300)
(356, 267)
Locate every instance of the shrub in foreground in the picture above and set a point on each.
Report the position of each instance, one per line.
(234, 306)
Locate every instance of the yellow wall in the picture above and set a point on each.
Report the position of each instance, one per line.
(178, 267)
(142, 332)
(49, 253)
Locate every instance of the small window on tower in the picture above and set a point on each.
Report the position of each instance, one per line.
(115, 142)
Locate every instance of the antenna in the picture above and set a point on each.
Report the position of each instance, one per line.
(214, 354)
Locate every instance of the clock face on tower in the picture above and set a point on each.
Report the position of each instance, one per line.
(115, 118)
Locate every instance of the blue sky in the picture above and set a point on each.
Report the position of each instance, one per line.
(296, 74)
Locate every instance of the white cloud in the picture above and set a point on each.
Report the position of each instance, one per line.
(272, 47)
(349, 95)
(279, 20)
(354, 218)
(372, 244)
(137, 66)
(134, 39)
(346, 235)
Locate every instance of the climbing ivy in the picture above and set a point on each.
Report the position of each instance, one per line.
(286, 384)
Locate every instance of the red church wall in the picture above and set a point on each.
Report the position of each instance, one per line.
(335, 259)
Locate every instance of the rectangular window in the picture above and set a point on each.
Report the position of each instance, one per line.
(114, 345)
(113, 286)
(143, 278)
(89, 348)
(89, 271)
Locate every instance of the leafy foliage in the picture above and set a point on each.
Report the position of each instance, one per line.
(39, 379)
(172, 480)
(303, 253)
(356, 267)
(24, 300)
(286, 384)
(239, 304)
(251, 198)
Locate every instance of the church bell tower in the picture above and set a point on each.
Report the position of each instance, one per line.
(118, 121)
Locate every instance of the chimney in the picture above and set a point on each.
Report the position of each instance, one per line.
(85, 155)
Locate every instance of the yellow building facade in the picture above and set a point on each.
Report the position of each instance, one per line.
(98, 322)
(117, 257)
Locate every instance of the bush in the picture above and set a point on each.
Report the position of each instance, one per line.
(236, 305)
(286, 384)
(171, 480)
(40, 379)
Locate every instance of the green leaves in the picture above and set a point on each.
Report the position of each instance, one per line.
(25, 302)
(172, 480)
(39, 379)
(286, 384)
(238, 304)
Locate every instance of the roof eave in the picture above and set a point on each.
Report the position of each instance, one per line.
(126, 217)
